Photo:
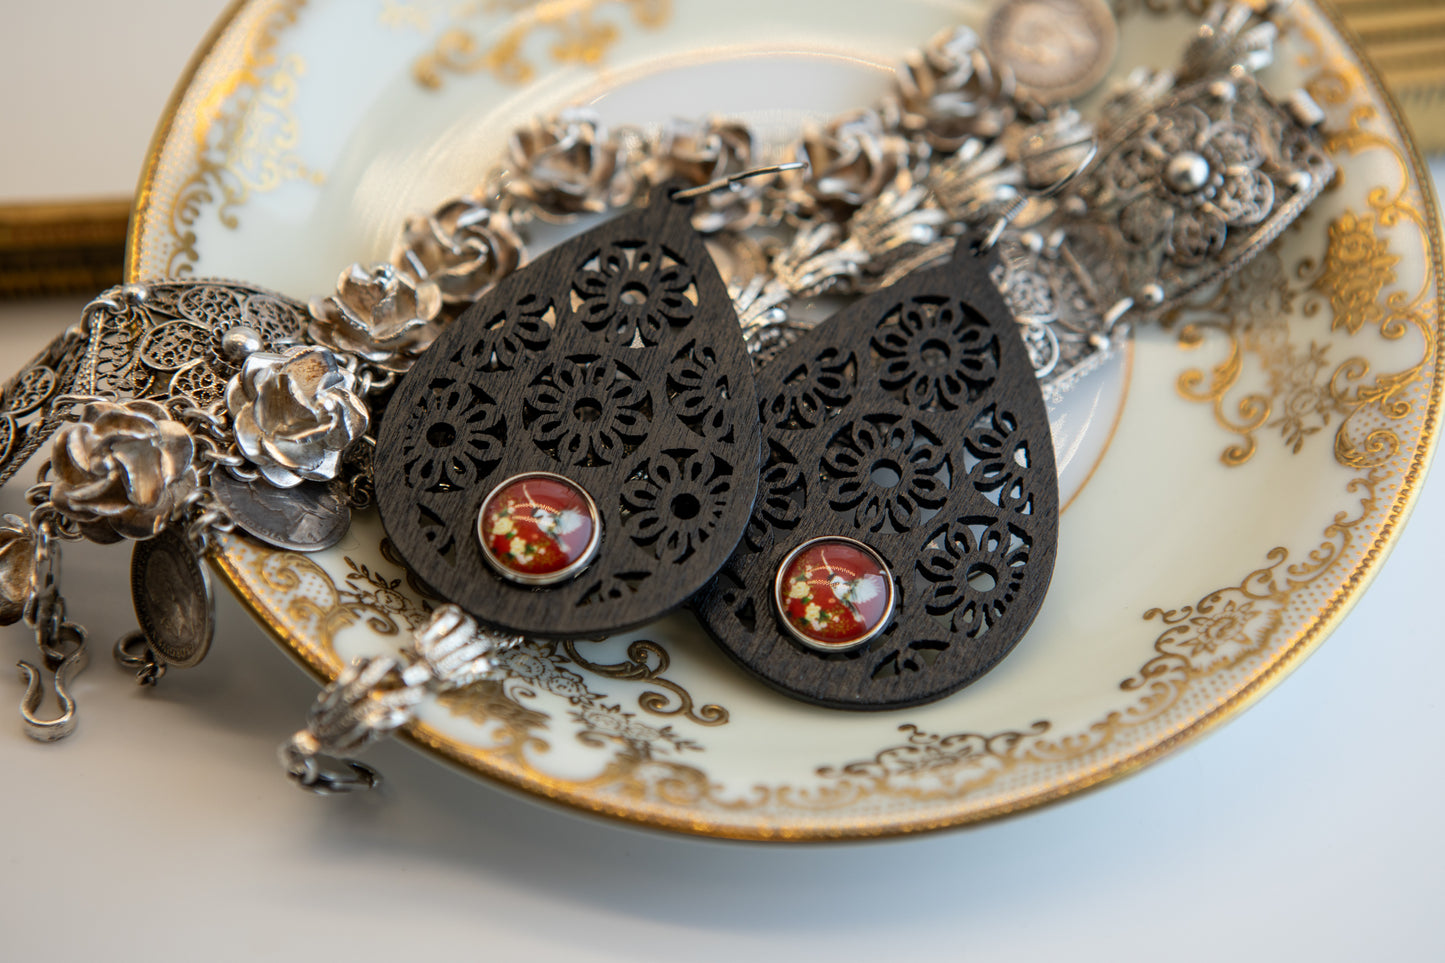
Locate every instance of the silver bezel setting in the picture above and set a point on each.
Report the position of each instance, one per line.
(780, 611)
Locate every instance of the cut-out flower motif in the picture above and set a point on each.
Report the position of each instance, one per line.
(782, 496)
(937, 354)
(977, 569)
(631, 292)
(588, 415)
(885, 473)
(997, 456)
(674, 506)
(525, 325)
(698, 392)
(810, 390)
(451, 438)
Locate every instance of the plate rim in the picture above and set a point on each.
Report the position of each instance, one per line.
(554, 791)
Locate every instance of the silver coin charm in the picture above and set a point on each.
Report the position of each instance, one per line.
(307, 518)
(1057, 49)
(172, 596)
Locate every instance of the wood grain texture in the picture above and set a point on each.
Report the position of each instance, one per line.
(615, 360)
(911, 422)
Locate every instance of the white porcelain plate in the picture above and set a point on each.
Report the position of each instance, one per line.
(1233, 481)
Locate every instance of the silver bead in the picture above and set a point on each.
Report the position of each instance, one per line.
(238, 342)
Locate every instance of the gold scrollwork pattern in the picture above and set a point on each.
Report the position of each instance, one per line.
(647, 661)
(245, 140)
(575, 31)
(928, 766)
(1310, 386)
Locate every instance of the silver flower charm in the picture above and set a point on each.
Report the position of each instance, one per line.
(378, 315)
(568, 165)
(949, 91)
(851, 160)
(462, 248)
(699, 153)
(294, 414)
(17, 567)
(121, 470)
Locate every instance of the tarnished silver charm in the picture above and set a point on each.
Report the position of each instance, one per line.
(1063, 324)
(1187, 191)
(1056, 49)
(173, 601)
(308, 518)
(168, 340)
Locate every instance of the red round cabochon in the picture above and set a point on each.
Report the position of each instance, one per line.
(537, 525)
(835, 593)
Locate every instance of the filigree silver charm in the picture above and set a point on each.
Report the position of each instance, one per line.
(166, 341)
(1188, 191)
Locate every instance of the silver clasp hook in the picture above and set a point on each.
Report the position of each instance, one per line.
(1052, 190)
(65, 656)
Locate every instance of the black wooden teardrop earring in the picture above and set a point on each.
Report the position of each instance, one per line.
(907, 517)
(578, 453)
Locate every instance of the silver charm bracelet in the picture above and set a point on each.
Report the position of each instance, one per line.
(175, 410)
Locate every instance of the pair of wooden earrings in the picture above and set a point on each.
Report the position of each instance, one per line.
(868, 522)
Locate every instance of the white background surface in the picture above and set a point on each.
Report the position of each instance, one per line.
(1309, 828)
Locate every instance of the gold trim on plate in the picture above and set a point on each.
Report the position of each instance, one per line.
(650, 780)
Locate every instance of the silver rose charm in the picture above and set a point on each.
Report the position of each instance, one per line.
(949, 91)
(851, 160)
(568, 165)
(378, 315)
(294, 414)
(462, 248)
(17, 567)
(122, 469)
(699, 154)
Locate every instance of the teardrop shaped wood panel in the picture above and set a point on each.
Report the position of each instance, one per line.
(615, 360)
(910, 423)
